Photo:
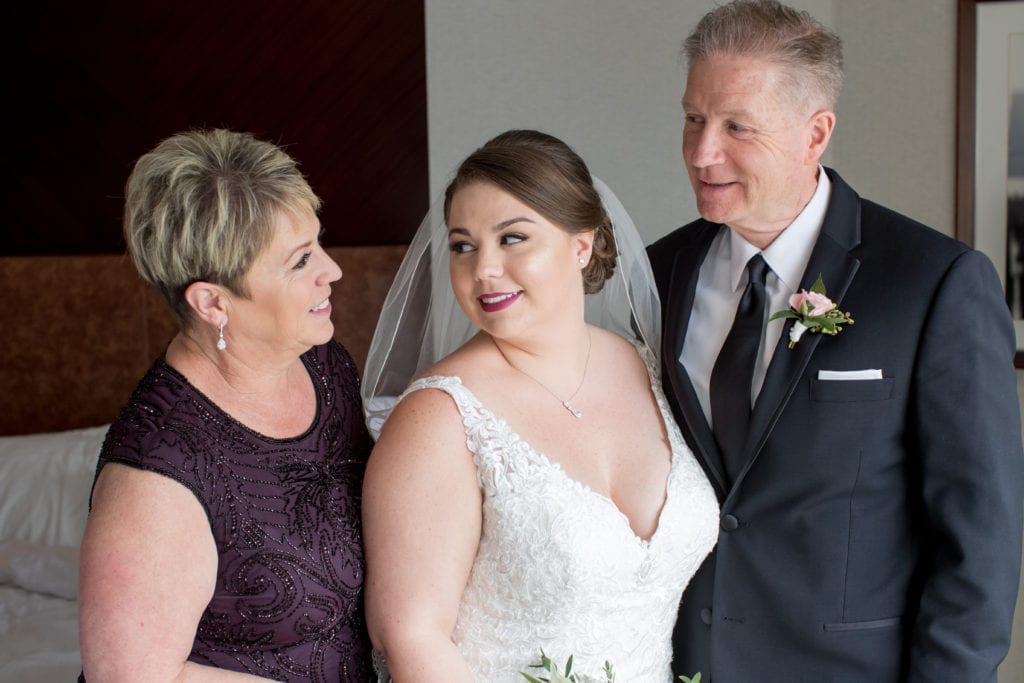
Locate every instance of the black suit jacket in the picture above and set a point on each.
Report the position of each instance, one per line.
(875, 533)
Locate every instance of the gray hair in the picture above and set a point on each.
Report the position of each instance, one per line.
(202, 205)
(810, 54)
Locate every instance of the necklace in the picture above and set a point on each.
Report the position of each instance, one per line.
(565, 403)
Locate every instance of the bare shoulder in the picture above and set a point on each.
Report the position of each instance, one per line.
(617, 362)
(612, 340)
(424, 417)
(618, 350)
(167, 523)
(146, 496)
(477, 356)
(422, 441)
(148, 568)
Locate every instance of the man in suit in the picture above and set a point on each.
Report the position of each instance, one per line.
(870, 481)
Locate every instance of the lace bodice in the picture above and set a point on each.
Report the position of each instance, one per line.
(559, 567)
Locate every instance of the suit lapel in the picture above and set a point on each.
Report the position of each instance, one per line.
(830, 258)
(682, 397)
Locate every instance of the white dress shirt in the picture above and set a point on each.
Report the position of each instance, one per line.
(721, 282)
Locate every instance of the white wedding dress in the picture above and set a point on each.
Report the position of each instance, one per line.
(559, 567)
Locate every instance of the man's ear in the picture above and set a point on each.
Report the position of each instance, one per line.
(208, 301)
(820, 128)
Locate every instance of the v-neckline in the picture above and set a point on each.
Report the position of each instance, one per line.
(586, 488)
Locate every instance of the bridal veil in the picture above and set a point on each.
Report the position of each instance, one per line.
(421, 322)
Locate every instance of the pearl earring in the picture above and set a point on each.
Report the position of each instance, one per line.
(221, 344)
(582, 260)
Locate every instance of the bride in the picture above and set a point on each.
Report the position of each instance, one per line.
(529, 489)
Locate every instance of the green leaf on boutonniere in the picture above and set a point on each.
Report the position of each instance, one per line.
(819, 286)
(789, 313)
(814, 312)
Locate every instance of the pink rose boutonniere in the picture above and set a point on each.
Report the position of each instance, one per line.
(813, 311)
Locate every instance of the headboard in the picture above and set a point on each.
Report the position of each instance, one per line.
(79, 331)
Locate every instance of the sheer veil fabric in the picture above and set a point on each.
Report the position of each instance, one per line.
(421, 321)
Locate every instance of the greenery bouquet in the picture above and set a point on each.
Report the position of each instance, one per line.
(552, 674)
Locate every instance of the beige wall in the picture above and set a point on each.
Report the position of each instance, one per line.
(895, 141)
(604, 75)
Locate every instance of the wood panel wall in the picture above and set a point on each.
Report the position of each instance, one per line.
(80, 331)
(93, 85)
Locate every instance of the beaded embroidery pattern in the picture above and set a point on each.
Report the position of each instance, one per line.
(284, 514)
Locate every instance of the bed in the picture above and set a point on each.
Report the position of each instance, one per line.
(78, 332)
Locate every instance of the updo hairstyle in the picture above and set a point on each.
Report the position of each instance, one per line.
(544, 173)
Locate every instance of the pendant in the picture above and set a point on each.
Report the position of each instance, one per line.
(575, 413)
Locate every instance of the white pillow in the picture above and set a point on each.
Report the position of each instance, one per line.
(49, 569)
(45, 481)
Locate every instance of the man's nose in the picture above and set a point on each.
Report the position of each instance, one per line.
(704, 148)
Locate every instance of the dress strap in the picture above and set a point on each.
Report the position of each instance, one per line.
(464, 399)
(488, 437)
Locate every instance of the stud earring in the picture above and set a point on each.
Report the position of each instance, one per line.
(582, 260)
(221, 344)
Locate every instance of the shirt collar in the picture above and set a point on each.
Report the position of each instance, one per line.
(789, 253)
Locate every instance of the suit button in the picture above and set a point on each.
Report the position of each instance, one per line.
(730, 523)
(705, 615)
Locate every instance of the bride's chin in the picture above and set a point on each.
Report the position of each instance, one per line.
(500, 330)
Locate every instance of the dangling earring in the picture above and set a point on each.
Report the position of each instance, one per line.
(221, 344)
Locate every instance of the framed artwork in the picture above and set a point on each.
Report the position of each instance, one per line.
(990, 141)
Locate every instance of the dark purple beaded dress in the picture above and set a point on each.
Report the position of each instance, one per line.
(284, 513)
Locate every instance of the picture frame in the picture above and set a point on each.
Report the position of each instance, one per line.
(988, 31)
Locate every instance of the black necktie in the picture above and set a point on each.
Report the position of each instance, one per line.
(734, 370)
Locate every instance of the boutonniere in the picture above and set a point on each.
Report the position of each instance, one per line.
(813, 311)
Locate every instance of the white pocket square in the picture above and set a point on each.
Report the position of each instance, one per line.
(849, 374)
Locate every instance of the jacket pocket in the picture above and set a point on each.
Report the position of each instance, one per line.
(862, 625)
(852, 390)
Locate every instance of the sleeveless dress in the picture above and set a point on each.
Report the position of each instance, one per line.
(559, 567)
(284, 514)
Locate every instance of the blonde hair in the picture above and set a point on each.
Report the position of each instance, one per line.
(202, 205)
(810, 54)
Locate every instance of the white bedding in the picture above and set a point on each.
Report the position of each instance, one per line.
(38, 637)
(44, 498)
